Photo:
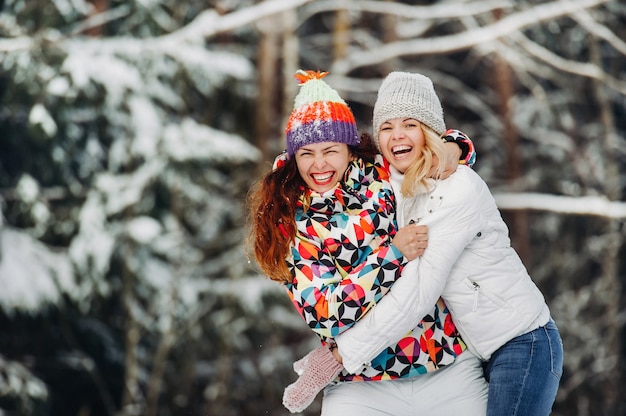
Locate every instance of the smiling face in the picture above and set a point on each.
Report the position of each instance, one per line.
(322, 165)
(401, 142)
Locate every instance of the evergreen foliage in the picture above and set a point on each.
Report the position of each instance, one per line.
(130, 132)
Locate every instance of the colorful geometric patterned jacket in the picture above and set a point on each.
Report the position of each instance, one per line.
(343, 262)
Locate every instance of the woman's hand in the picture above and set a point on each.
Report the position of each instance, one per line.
(411, 240)
(337, 355)
(316, 370)
(453, 154)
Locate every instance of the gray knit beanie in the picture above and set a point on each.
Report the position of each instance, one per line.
(404, 94)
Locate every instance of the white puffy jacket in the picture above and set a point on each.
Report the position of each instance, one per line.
(469, 262)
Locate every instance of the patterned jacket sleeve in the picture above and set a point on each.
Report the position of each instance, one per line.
(468, 153)
(340, 267)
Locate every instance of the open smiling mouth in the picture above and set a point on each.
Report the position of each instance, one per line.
(322, 177)
(398, 151)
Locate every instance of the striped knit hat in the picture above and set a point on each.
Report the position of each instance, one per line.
(319, 115)
(411, 95)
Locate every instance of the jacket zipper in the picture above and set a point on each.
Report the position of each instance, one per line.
(476, 289)
(468, 342)
(459, 326)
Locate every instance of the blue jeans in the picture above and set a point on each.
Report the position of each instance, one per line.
(524, 374)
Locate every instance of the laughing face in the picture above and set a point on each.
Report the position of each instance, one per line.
(322, 165)
(401, 142)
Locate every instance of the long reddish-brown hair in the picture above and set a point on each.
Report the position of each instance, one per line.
(271, 207)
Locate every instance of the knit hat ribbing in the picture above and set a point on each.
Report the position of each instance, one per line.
(404, 94)
(319, 115)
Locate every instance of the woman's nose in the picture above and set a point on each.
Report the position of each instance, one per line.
(397, 132)
(319, 161)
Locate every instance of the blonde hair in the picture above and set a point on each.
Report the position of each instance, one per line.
(433, 155)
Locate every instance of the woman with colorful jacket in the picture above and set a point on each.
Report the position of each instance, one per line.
(323, 224)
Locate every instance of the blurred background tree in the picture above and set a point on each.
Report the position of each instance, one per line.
(131, 130)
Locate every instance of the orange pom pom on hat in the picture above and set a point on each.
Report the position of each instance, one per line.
(319, 115)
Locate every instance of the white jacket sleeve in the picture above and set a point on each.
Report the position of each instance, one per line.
(452, 226)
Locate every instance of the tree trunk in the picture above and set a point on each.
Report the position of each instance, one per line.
(517, 220)
(341, 32)
(267, 56)
(389, 23)
(611, 287)
(131, 339)
(99, 6)
(168, 336)
(290, 64)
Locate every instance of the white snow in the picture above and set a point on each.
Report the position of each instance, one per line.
(91, 249)
(146, 121)
(39, 116)
(85, 65)
(143, 229)
(31, 275)
(27, 189)
(249, 290)
(192, 141)
(124, 190)
(582, 205)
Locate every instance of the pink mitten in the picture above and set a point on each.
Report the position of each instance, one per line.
(317, 369)
(299, 365)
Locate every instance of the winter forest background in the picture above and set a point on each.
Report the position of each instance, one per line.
(130, 131)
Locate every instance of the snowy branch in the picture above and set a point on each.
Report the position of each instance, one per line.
(15, 44)
(586, 205)
(101, 19)
(602, 32)
(207, 24)
(436, 11)
(584, 69)
(465, 40)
